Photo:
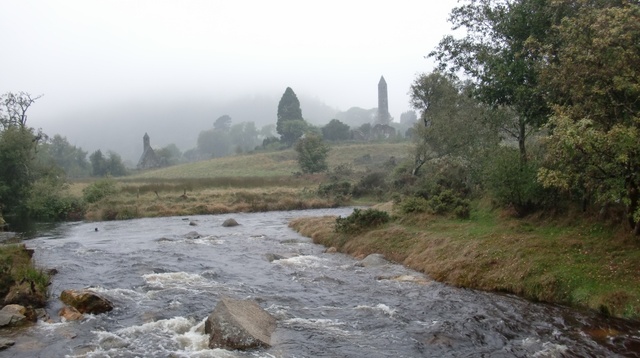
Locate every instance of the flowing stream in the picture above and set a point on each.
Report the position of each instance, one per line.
(165, 277)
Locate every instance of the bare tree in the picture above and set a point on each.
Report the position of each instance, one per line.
(13, 108)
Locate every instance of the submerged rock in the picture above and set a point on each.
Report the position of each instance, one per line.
(373, 260)
(230, 222)
(86, 301)
(273, 257)
(239, 324)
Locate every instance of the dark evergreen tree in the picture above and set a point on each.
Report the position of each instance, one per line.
(290, 124)
(336, 130)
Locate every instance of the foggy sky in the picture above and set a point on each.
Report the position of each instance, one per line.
(88, 55)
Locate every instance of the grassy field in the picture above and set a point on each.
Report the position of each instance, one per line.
(575, 262)
(279, 163)
(243, 183)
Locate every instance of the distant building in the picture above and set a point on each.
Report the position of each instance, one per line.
(148, 159)
(383, 103)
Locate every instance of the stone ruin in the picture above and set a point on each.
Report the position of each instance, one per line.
(149, 159)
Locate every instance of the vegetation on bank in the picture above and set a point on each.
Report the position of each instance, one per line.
(19, 275)
(576, 261)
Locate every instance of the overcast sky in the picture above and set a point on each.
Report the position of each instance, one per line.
(85, 53)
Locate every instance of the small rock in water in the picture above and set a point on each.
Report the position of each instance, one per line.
(230, 222)
(193, 223)
(273, 257)
(5, 343)
(331, 250)
(70, 313)
(192, 235)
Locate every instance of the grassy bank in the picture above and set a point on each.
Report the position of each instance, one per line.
(20, 276)
(572, 262)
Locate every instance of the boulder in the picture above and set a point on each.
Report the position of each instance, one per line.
(86, 301)
(15, 315)
(230, 222)
(192, 235)
(239, 324)
(373, 260)
(70, 313)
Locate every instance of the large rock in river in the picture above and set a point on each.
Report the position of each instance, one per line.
(86, 301)
(239, 324)
(230, 222)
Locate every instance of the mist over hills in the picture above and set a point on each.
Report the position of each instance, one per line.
(120, 127)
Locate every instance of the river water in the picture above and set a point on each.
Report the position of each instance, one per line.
(165, 277)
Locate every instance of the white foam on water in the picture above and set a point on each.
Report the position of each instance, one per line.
(304, 262)
(194, 339)
(176, 325)
(380, 307)
(551, 350)
(119, 293)
(322, 324)
(206, 240)
(177, 280)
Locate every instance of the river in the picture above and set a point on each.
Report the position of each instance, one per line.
(165, 277)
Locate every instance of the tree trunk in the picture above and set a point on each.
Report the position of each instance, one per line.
(522, 136)
(632, 192)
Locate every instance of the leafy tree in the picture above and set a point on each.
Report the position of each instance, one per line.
(408, 118)
(336, 130)
(169, 155)
(451, 122)
(594, 146)
(312, 153)
(71, 159)
(213, 143)
(109, 165)
(244, 136)
(18, 145)
(16, 168)
(292, 130)
(223, 123)
(496, 55)
(290, 125)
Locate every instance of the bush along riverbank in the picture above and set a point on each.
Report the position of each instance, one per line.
(576, 263)
(23, 286)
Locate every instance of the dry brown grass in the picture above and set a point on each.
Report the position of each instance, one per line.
(580, 264)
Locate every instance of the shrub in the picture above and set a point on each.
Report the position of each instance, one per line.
(334, 189)
(312, 154)
(512, 182)
(414, 204)
(442, 203)
(371, 184)
(98, 190)
(361, 220)
(47, 202)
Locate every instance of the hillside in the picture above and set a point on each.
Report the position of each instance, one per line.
(280, 163)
